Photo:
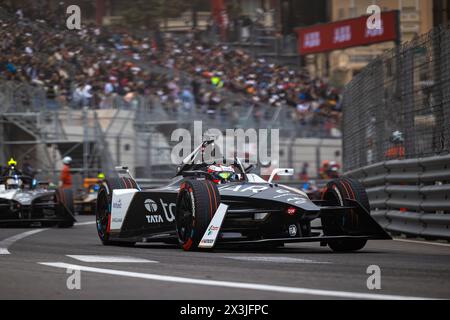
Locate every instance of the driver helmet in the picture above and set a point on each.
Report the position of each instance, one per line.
(222, 174)
(14, 183)
(397, 137)
(67, 161)
(12, 163)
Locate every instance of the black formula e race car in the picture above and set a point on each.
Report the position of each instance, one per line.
(24, 201)
(199, 212)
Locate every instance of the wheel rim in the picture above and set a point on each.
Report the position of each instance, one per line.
(102, 214)
(185, 217)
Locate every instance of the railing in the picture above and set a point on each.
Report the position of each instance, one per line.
(410, 197)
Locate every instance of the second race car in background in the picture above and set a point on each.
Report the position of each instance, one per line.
(24, 201)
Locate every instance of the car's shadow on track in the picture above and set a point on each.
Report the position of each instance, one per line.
(258, 250)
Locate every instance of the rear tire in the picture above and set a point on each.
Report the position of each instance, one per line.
(103, 208)
(197, 203)
(336, 193)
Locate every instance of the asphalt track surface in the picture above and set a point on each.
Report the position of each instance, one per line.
(34, 265)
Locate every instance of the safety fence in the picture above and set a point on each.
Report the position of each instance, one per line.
(398, 107)
(410, 197)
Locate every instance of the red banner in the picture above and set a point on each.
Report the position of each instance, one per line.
(347, 33)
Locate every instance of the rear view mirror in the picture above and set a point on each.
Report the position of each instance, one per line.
(281, 173)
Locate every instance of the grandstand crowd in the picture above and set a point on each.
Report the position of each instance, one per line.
(96, 67)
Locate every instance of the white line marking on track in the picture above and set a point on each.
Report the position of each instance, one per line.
(275, 259)
(109, 259)
(80, 224)
(234, 285)
(5, 244)
(424, 242)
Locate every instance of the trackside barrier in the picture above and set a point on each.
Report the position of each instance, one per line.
(410, 197)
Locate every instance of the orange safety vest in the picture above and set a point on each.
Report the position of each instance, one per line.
(395, 152)
(66, 177)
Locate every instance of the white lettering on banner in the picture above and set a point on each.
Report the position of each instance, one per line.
(342, 34)
(312, 40)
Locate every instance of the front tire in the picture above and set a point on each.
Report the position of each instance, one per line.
(336, 193)
(197, 203)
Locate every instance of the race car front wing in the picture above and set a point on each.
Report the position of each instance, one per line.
(368, 228)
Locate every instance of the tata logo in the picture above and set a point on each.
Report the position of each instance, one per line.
(154, 219)
(151, 206)
(118, 204)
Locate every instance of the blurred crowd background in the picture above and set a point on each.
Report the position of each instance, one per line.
(93, 66)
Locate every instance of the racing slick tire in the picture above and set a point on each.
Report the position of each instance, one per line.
(335, 193)
(197, 202)
(104, 205)
(64, 201)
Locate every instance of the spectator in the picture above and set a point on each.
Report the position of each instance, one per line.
(100, 64)
(66, 176)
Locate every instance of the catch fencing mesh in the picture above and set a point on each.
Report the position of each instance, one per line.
(405, 91)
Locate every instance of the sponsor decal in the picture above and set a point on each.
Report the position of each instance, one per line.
(212, 229)
(167, 208)
(291, 197)
(193, 203)
(118, 204)
(243, 188)
(151, 206)
(341, 201)
(293, 230)
(154, 219)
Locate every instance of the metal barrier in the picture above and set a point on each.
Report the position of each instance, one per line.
(410, 197)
